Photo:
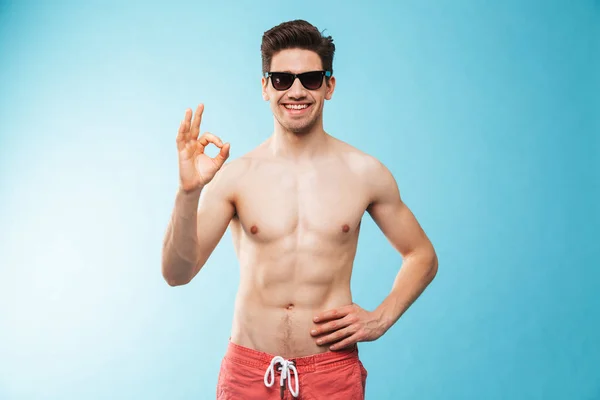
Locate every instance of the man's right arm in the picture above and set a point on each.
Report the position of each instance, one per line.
(198, 222)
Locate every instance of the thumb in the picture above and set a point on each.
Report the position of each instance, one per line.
(223, 155)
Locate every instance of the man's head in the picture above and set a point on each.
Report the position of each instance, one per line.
(297, 47)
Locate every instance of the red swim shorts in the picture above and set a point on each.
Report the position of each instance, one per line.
(248, 374)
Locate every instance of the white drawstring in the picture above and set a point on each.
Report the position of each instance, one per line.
(285, 368)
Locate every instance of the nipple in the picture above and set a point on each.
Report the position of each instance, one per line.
(254, 230)
(345, 228)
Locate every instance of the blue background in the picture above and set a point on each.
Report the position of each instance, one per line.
(485, 112)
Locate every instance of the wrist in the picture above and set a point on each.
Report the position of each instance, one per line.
(188, 197)
(384, 319)
(190, 192)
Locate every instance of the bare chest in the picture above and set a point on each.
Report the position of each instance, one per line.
(324, 204)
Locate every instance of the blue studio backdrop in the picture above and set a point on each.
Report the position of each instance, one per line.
(487, 114)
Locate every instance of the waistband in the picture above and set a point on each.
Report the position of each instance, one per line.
(322, 361)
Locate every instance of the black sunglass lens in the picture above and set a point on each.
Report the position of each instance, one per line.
(281, 81)
(312, 80)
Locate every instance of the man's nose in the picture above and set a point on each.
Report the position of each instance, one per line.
(297, 90)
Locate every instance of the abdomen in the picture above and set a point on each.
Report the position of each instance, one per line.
(278, 320)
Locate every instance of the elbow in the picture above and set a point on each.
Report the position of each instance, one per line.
(175, 281)
(175, 278)
(433, 265)
(180, 271)
(180, 275)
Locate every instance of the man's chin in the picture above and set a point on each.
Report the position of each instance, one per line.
(300, 129)
(297, 127)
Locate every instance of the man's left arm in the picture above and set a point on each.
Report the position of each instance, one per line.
(401, 228)
(351, 324)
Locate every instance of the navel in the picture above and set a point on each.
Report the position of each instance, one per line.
(254, 230)
(345, 228)
(290, 306)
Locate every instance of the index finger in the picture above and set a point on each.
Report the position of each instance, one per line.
(207, 138)
(184, 128)
(332, 314)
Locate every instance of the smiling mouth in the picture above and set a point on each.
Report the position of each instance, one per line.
(296, 108)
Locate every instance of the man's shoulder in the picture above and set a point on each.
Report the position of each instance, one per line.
(231, 172)
(357, 159)
(377, 180)
(235, 169)
(237, 165)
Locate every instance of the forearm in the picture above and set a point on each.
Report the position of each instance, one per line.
(417, 272)
(180, 246)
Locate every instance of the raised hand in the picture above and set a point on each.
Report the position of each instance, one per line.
(196, 169)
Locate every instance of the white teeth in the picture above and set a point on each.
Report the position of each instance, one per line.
(296, 106)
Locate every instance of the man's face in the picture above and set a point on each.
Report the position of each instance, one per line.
(283, 102)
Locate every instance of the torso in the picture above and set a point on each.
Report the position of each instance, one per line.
(295, 233)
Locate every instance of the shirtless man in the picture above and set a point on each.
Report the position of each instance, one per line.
(294, 205)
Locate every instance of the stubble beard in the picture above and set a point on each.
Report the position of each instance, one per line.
(298, 127)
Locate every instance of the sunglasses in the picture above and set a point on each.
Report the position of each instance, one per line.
(310, 80)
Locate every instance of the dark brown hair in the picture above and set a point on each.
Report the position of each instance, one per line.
(297, 34)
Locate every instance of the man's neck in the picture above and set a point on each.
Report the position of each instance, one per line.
(298, 146)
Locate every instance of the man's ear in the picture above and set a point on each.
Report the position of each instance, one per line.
(265, 94)
(330, 87)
